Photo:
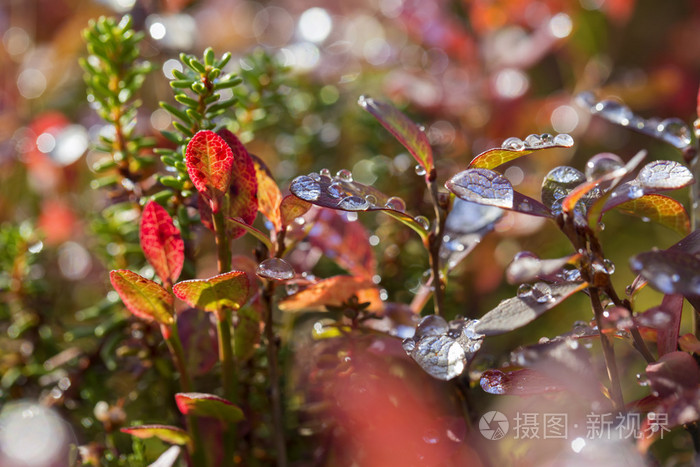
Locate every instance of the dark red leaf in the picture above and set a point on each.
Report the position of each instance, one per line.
(522, 382)
(161, 243)
(673, 373)
(666, 319)
(209, 162)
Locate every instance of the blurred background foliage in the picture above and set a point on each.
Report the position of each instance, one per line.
(473, 72)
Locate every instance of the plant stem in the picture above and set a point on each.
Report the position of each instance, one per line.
(223, 247)
(434, 244)
(608, 352)
(273, 372)
(198, 453)
(639, 343)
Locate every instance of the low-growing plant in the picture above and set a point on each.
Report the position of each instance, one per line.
(253, 360)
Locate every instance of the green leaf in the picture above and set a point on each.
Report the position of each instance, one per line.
(143, 297)
(169, 434)
(208, 405)
(216, 294)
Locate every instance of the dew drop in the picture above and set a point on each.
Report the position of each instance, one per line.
(363, 101)
(572, 275)
(353, 203)
(408, 345)
(315, 176)
(546, 138)
(336, 190)
(533, 141)
(371, 199)
(541, 292)
(421, 127)
(525, 291)
(275, 269)
(513, 144)
(431, 325)
(614, 111)
(642, 379)
(396, 203)
(674, 131)
(635, 191)
(425, 277)
(423, 221)
(325, 173)
(602, 164)
(344, 175)
(291, 288)
(36, 247)
(420, 170)
(563, 139)
(609, 266)
(305, 188)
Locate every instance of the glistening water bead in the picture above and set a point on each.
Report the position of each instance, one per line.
(305, 188)
(275, 269)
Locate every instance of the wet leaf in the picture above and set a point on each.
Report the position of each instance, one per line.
(672, 130)
(344, 242)
(342, 193)
(516, 312)
(523, 382)
(465, 226)
(660, 209)
(333, 292)
(209, 162)
(489, 188)
(247, 334)
(673, 373)
(269, 195)
(669, 271)
(528, 267)
(208, 405)
(666, 319)
(482, 186)
(513, 148)
(409, 135)
(242, 196)
(292, 207)
(443, 349)
(161, 243)
(664, 175)
(143, 297)
(557, 184)
(227, 291)
(166, 433)
(564, 361)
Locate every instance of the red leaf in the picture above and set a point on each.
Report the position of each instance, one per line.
(345, 242)
(403, 129)
(209, 162)
(161, 243)
(269, 196)
(144, 298)
(216, 294)
(243, 191)
(673, 373)
(292, 207)
(666, 319)
(169, 434)
(208, 405)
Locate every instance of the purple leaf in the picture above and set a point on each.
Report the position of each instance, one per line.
(666, 318)
(673, 373)
(523, 382)
(516, 312)
(482, 186)
(669, 271)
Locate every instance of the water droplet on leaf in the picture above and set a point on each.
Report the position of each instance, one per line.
(325, 173)
(305, 188)
(563, 139)
(541, 292)
(602, 164)
(344, 175)
(315, 176)
(524, 290)
(396, 203)
(275, 269)
(420, 170)
(533, 141)
(513, 144)
(353, 203)
(423, 221)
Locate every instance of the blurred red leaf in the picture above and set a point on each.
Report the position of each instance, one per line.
(143, 297)
(161, 243)
(673, 373)
(169, 434)
(216, 294)
(666, 319)
(199, 341)
(269, 195)
(333, 291)
(208, 405)
(57, 221)
(242, 196)
(209, 162)
(521, 382)
(689, 343)
(345, 242)
(292, 207)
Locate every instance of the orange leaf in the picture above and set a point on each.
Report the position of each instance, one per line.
(269, 195)
(143, 297)
(333, 291)
(291, 208)
(661, 209)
